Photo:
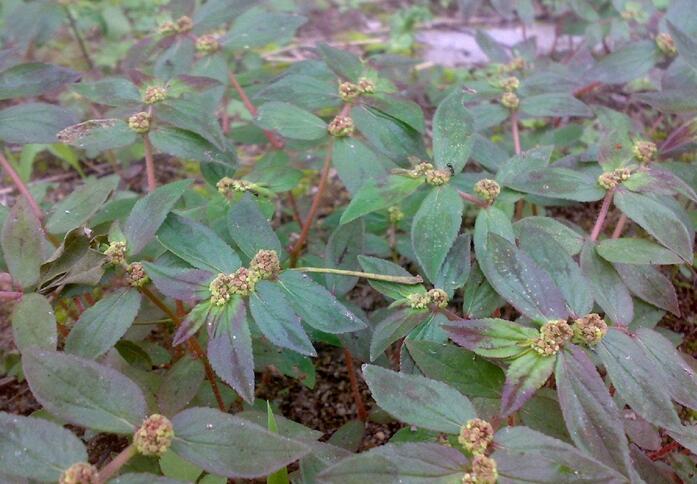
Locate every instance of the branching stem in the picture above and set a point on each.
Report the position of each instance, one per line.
(364, 275)
(273, 138)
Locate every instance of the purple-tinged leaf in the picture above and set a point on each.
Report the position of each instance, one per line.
(396, 325)
(571, 240)
(491, 337)
(523, 455)
(34, 78)
(180, 385)
(34, 122)
(491, 221)
(112, 91)
(592, 418)
(670, 100)
(411, 462)
(250, 229)
(658, 220)
(456, 267)
(625, 64)
(230, 446)
(101, 326)
(608, 289)
(179, 282)
(659, 181)
(524, 376)
(686, 44)
(276, 319)
(635, 376)
(34, 323)
(554, 104)
(203, 313)
(517, 278)
(677, 375)
(23, 244)
(83, 392)
(36, 448)
(75, 209)
(419, 401)
(555, 182)
(230, 350)
(649, 284)
(149, 212)
(685, 435)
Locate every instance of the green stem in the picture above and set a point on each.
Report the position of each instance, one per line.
(365, 275)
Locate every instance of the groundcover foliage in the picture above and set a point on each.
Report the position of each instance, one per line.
(514, 341)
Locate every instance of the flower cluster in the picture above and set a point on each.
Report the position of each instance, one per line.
(366, 86)
(264, 265)
(487, 189)
(510, 84)
(229, 186)
(435, 296)
(135, 275)
(80, 473)
(207, 44)
(610, 179)
(590, 329)
(182, 25)
(341, 126)
(140, 122)
(349, 91)
(553, 336)
(395, 214)
(155, 94)
(476, 436)
(644, 151)
(116, 253)
(155, 436)
(665, 44)
(484, 471)
(220, 289)
(433, 175)
(510, 100)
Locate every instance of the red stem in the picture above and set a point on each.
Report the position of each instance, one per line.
(516, 133)
(358, 399)
(619, 227)
(472, 199)
(598, 227)
(663, 451)
(149, 164)
(116, 463)
(273, 138)
(21, 187)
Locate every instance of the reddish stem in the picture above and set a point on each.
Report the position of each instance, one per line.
(21, 187)
(294, 208)
(88, 297)
(116, 463)
(663, 451)
(10, 295)
(273, 138)
(472, 199)
(78, 304)
(600, 221)
(149, 163)
(357, 398)
(295, 251)
(619, 227)
(516, 133)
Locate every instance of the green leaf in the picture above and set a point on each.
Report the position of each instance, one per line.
(491, 337)
(658, 220)
(312, 91)
(272, 313)
(634, 376)
(521, 282)
(198, 245)
(188, 145)
(101, 326)
(193, 113)
(83, 392)
(98, 135)
(341, 62)
(593, 419)
(553, 258)
(37, 449)
(393, 327)
(23, 244)
(554, 105)
(149, 212)
(392, 290)
(217, 12)
(34, 78)
(408, 463)
(34, 323)
(74, 262)
(456, 267)
(343, 248)
(626, 64)
(650, 284)
(524, 376)
(452, 132)
(479, 299)
(555, 182)
(387, 134)
(670, 100)
(491, 221)
(34, 123)
(419, 401)
(524, 455)
(250, 229)
(259, 28)
(356, 164)
(686, 44)
(175, 467)
(180, 385)
(629, 250)
(609, 291)
(281, 475)
(435, 228)
(317, 306)
(75, 209)
(230, 350)
(114, 91)
(220, 443)
(291, 121)
(461, 369)
(374, 196)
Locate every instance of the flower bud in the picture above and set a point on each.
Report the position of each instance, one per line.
(418, 300)
(487, 189)
(516, 64)
(167, 28)
(589, 330)
(349, 91)
(484, 471)
(116, 253)
(80, 473)
(510, 84)
(366, 86)
(155, 436)
(242, 281)
(395, 215)
(139, 122)
(341, 126)
(421, 169)
(437, 177)
(510, 100)
(220, 289)
(553, 336)
(665, 44)
(265, 264)
(155, 94)
(476, 436)
(135, 275)
(438, 297)
(207, 44)
(184, 24)
(229, 186)
(644, 151)
(610, 179)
